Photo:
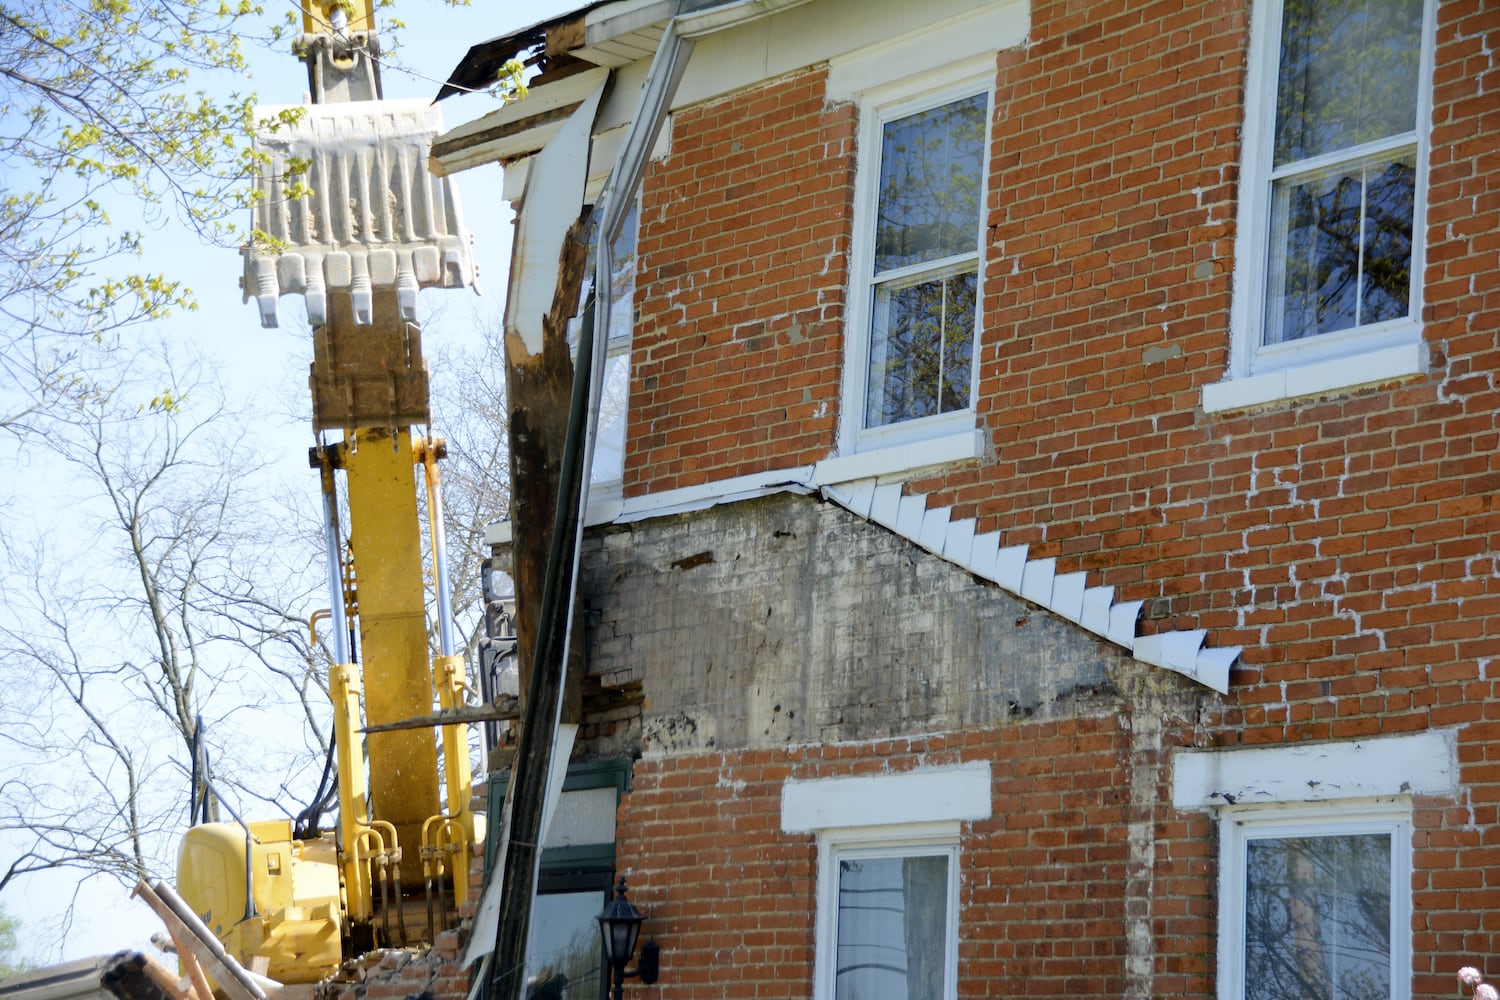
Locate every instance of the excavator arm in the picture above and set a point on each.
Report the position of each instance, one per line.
(375, 229)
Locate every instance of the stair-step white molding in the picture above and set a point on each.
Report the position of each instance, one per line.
(1035, 580)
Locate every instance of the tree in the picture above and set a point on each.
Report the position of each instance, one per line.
(169, 628)
(97, 102)
(469, 411)
(11, 963)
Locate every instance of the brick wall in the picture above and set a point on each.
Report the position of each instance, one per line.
(1348, 543)
(1337, 539)
(1046, 885)
(739, 339)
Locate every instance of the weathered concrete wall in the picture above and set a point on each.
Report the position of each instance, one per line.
(787, 620)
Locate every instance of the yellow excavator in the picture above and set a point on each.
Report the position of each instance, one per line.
(349, 218)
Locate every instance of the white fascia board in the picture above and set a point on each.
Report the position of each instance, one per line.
(616, 19)
(1408, 764)
(926, 795)
(553, 199)
(727, 15)
(549, 99)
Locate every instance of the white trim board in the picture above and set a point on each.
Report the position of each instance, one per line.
(926, 795)
(1407, 764)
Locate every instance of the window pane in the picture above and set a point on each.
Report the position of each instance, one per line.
(921, 347)
(892, 928)
(609, 445)
(1348, 74)
(1341, 248)
(564, 956)
(930, 184)
(1390, 200)
(1318, 918)
(622, 282)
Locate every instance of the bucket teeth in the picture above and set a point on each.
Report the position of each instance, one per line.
(374, 218)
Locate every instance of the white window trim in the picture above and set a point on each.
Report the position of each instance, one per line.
(852, 814)
(878, 105)
(1243, 824)
(885, 842)
(1332, 362)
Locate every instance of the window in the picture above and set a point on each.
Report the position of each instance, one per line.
(1329, 259)
(890, 918)
(564, 957)
(609, 445)
(888, 894)
(1316, 904)
(916, 289)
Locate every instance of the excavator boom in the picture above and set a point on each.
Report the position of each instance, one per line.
(357, 235)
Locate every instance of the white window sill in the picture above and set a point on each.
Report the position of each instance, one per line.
(1316, 378)
(895, 460)
(901, 458)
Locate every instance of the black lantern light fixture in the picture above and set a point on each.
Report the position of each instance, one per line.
(620, 928)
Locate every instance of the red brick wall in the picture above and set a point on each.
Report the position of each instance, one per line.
(1110, 254)
(1043, 883)
(1106, 310)
(739, 340)
(1347, 543)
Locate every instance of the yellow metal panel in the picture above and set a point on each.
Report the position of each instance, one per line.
(386, 541)
(317, 15)
(294, 922)
(345, 691)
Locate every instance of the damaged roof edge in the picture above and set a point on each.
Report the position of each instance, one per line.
(480, 66)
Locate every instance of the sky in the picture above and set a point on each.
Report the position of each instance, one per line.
(269, 367)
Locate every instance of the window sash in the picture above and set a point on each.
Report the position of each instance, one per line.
(885, 404)
(1310, 266)
(1346, 74)
(921, 355)
(884, 844)
(1240, 977)
(1262, 356)
(1321, 250)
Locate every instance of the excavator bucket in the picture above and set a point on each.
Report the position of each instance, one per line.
(347, 205)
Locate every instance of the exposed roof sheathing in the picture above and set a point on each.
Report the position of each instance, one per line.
(480, 66)
(609, 33)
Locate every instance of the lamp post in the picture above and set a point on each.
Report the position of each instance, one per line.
(619, 929)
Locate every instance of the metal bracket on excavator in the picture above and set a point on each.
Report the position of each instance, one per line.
(376, 216)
